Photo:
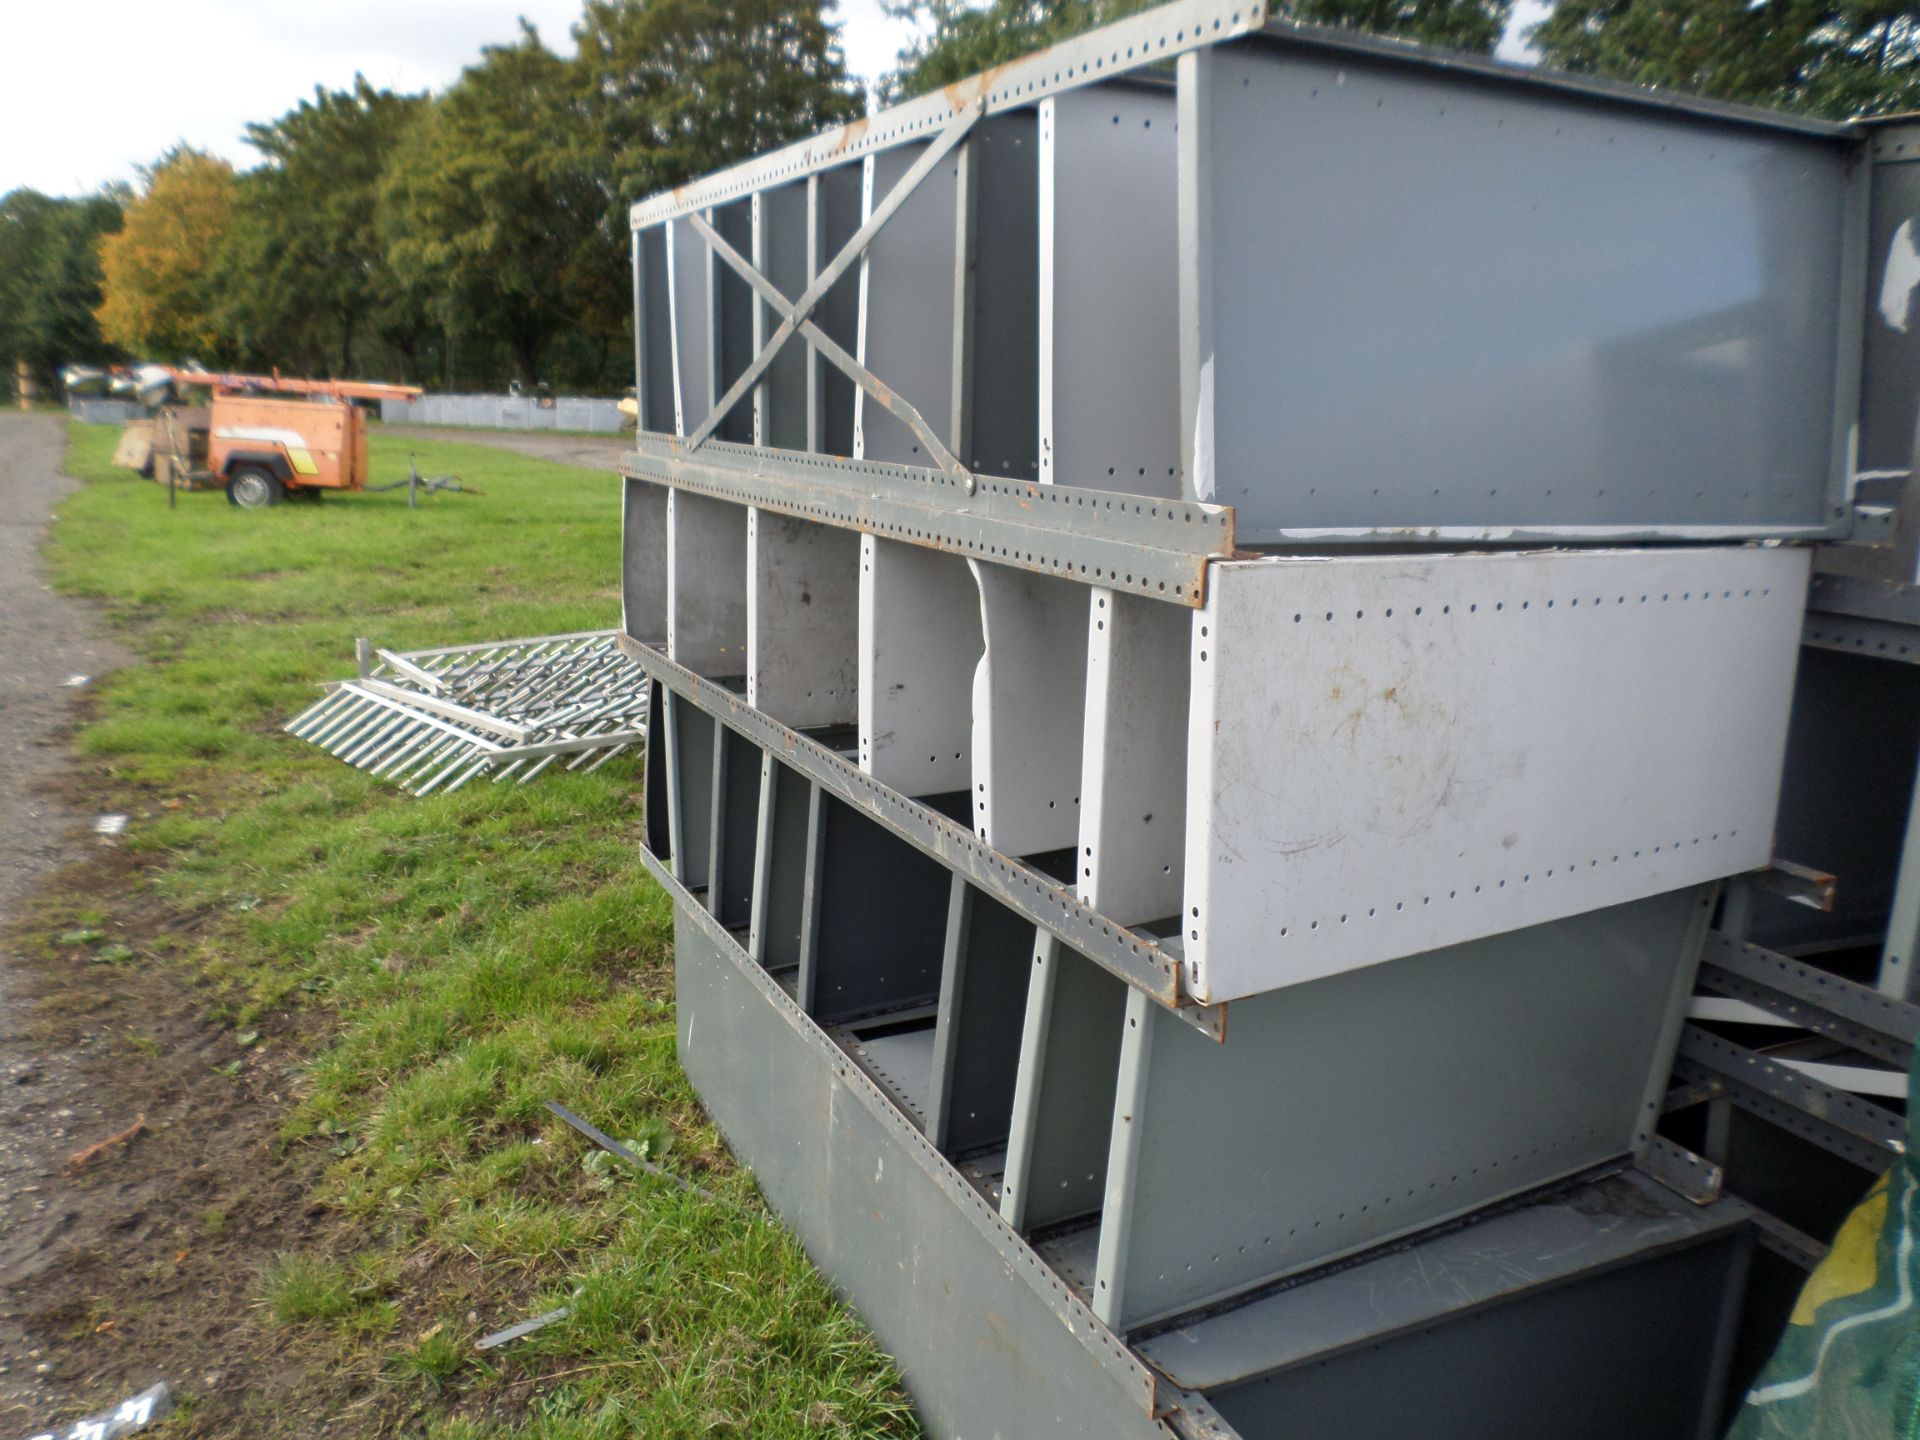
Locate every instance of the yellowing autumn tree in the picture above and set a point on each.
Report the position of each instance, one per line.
(158, 274)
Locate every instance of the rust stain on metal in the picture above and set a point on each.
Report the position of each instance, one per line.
(849, 135)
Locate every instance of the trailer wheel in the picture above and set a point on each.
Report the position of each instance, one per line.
(252, 488)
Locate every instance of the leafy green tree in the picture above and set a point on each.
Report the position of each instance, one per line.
(50, 277)
(491, 203)
(307, 275)
(962, 39)
(677, 88)
(160, 277)
(1828, 58)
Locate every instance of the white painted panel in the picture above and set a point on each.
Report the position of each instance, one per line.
(919, 645)
(906, 306)
(803, 619)
(643, 560)
(1133, 800)
(1388, 754)
(707, 584)
(1029, 703)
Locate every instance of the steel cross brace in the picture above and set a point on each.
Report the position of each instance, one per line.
(796, 314)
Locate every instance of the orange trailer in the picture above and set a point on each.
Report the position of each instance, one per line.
(274, 437)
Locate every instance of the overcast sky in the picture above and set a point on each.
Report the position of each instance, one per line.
(89, 89)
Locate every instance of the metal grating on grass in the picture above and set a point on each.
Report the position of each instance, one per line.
(431, 720)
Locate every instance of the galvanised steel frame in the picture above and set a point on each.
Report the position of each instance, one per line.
(979, 492)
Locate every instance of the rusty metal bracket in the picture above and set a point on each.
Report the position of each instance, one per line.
(1801, 884)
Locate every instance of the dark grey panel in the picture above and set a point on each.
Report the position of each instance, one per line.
(1629, 1352)
(736, 810)
(1003, 412)
(1077, 1077)
(1344, 1112)
(980, 1019)
(783, 222)
(1890, 383)
(786, 884)
(733, 300)
(656, 334)
(908, 279)
(882, 918)
(692, 326)
(1843, 803)
(690, 753)
(654, 779)
(1441, 301)
(839, 314)
(895, 1229)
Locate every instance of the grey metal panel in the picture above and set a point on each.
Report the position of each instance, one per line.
(692, 324)
(1426, 311)
(1556, 1238)
(1029, 705)
(733, 323)
(1003, 382)
(643, 560)
(1890, 384)
(982, 1007)
(878, 945)
(1109, 320)
(920, 641)
(1133, 788)
(783, 225)
(906, 306)
(1079, 1059)
(986, 1339)
(707, 603)
(1639, 1351)
(803, 620)
(1486, 1069)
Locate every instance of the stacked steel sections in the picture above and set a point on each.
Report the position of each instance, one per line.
(1218, 611)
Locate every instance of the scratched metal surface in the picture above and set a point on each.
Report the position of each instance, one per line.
(1391, 754)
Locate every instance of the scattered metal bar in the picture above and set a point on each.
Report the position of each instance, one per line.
(525, 1327)
(1859, 1016)
(432, 720)
(614, 1147)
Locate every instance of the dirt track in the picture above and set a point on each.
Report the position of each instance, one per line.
(112, 1276)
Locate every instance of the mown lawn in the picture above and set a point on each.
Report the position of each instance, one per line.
(444, 966)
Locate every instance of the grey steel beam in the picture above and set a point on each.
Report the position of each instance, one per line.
(1157, 549)
(1868, 1020)
(1859, 635)
(1837, 1122)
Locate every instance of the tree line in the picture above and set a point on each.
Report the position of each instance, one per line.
(463, 238)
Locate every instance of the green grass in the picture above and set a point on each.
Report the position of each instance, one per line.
(451, 963)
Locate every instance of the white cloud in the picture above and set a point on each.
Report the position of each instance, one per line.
(89, 91)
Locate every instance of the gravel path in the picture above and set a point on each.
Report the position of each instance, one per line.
(44, 639)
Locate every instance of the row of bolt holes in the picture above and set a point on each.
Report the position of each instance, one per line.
(1373, 910)
(1500, 605)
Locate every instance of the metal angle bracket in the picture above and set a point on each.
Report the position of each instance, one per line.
(1157, 549)
(1135, 958)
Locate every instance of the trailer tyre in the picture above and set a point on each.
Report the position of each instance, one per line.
(252, 488)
